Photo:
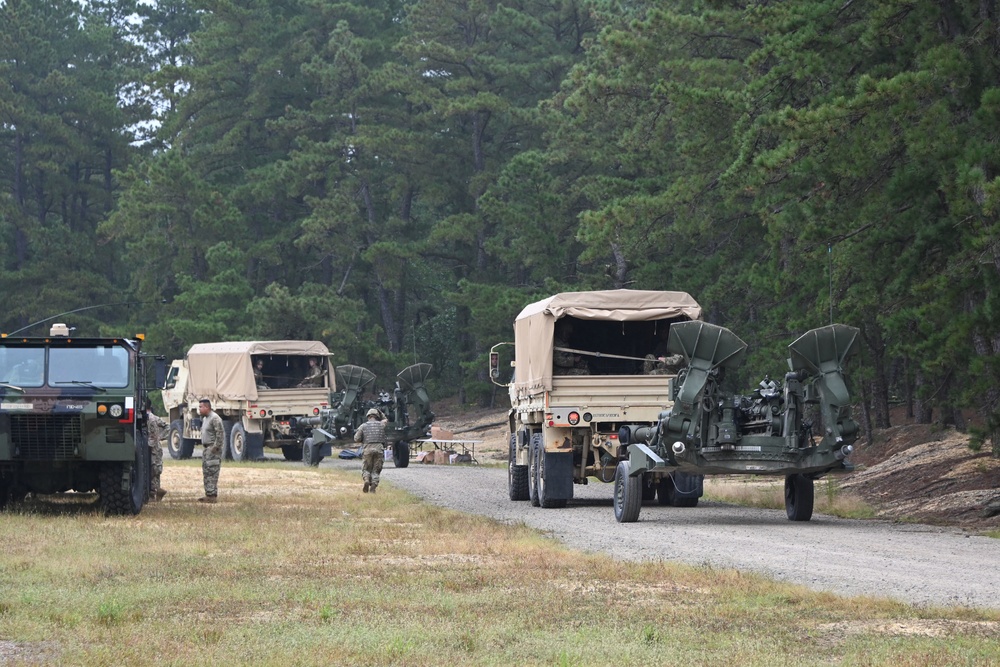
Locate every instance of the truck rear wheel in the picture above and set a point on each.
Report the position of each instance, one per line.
(238, 441)
(517, 476)
(534, 454)
(178, 446)
(401, 454)
(628, 494)
(115, 500)
(799, 496)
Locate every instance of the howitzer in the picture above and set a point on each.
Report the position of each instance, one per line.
(406, 409)
(801, 429)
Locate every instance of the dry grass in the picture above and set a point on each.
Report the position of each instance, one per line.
(296, 566)
(769, 493)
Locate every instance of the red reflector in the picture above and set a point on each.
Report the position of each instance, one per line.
(551, 423)
(315, 411)
(263, 413)
(613, 436)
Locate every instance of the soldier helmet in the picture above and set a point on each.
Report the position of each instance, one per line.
(373, 412)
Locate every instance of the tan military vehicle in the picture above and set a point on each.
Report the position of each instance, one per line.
(585, 365)
(261, 389)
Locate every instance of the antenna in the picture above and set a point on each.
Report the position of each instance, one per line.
(829, 253)
(80, 310)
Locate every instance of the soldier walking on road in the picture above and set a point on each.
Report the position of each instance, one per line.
(156, 429)
(372, 435)
(213, 438)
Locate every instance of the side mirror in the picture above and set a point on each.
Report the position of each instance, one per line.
(160, 370)
(494, 365)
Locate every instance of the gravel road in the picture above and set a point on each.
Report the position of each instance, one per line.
(914, 563)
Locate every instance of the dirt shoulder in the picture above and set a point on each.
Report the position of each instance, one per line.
(920, 472)
(913, 472)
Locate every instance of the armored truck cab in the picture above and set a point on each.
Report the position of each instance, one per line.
(72, 419)
(261, 389)
(586, 364)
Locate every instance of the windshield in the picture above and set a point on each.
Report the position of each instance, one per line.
(104, 366)
(22, 366)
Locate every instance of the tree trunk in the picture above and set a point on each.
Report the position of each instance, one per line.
(871, 332)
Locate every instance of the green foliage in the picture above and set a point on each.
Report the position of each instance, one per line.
(399, 179)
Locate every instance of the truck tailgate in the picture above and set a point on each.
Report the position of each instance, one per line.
(609, 394)
(291, 401)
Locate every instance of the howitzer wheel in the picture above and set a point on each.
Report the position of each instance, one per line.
(628, 494)
(311, 452)
(401, 454)
(799, 496)
(517, 476)
(178, 446)
(534, 454)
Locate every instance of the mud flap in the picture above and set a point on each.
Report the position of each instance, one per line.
(687, 485)
(254, 447)
(558, 476)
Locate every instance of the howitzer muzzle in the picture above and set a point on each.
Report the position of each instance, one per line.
(309, 421)
(844, 452)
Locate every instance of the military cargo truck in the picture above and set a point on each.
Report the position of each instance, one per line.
(72, 419)
(586, 364)
(580, 409)
(259, 388)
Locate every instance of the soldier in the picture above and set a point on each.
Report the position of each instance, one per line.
(372, 435)
(661, 362)
(314, 377)
(213, 438)
(258, 374)
(155, 430)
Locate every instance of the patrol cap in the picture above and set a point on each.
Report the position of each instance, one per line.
(373, 412)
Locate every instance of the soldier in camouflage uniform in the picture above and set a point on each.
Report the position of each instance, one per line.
(566, 363)
(372, 435)
(213, 439)
(314, 376)
(156, 431)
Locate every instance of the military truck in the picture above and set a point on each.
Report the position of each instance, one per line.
(406, 409)
(259, 388)
(580, 360)
(72, 419)
(657, 436)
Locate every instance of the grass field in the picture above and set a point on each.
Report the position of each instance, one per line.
(296, 566)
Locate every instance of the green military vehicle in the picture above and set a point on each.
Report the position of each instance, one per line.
(72, 419)
(628, 386)
(407, 410)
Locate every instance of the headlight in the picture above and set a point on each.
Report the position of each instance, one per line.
(116, 410)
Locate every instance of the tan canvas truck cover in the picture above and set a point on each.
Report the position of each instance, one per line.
(224, 371)
(535, 326)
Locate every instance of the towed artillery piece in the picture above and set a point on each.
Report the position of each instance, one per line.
(801, 429)
(406, 409)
